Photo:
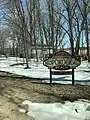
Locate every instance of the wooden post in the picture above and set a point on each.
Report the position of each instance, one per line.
(72, 76)
(50, 76)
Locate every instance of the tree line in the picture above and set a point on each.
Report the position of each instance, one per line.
(55, 23)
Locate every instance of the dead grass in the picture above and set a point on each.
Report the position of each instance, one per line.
(13, 91)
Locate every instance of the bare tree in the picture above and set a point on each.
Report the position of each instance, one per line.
(84, 7)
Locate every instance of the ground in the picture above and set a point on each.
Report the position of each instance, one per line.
(13, 91)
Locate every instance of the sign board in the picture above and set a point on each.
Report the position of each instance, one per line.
(61, 72)
(62, 60)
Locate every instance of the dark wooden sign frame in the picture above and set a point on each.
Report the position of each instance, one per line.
(61, 61)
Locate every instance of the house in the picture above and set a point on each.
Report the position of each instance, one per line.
(42, 52)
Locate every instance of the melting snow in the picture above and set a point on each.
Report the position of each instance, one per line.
(37, 70)
(56, 111)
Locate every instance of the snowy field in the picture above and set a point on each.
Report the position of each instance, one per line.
(37, 70)
(78, 110)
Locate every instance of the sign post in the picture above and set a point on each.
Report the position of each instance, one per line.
(62, 61)
(50, 76)
(73, 76)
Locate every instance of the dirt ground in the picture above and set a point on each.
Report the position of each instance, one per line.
(13, 91)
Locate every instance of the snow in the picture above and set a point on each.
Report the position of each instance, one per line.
(38, 70)
(56, 111)
(78, 110)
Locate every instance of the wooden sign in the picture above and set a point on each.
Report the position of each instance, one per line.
(62, 60)
(61, 72)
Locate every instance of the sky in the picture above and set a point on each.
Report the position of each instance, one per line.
(44, 9)
(1, 17)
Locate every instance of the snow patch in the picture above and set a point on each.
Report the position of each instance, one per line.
(56, 111)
